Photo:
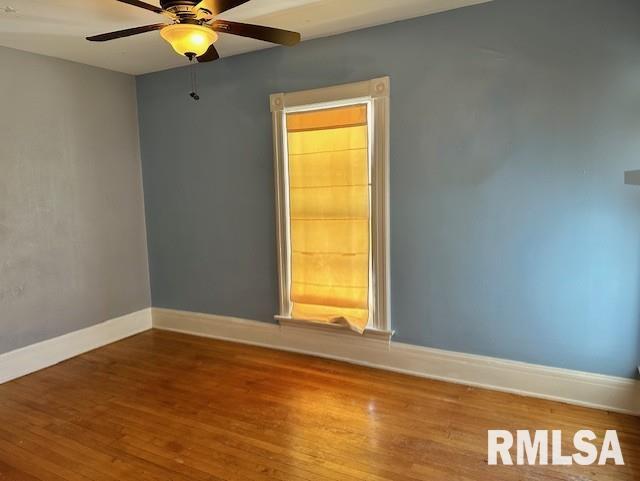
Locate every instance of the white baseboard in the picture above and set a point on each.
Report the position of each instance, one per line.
(15, 364)
(574, 387)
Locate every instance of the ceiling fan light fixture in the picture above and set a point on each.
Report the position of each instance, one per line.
(189, 39)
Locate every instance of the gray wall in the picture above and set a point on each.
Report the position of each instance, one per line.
(72, 236)
(512, 122)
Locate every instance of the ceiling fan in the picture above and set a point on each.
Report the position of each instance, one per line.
(194, 28)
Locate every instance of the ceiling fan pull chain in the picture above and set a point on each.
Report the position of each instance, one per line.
(194, 80)
(196, 69)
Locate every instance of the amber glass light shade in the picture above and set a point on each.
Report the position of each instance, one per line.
(187, 39)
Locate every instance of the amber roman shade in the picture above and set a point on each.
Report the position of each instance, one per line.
(329, 211)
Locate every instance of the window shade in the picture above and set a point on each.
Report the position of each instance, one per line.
(329, 215)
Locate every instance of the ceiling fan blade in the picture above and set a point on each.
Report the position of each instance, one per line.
(126, 33)
(210, 55)
(146, 6)
(216, 7)
(267, 34)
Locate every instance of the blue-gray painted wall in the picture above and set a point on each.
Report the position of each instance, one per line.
(73, 249)
(512, 123)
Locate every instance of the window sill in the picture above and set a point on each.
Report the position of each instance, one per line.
(369, 333)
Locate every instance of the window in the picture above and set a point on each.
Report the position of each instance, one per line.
(331, 161)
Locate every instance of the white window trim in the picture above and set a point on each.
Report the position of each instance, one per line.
(376, 93)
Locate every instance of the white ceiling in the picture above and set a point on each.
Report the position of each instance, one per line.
(57, 27)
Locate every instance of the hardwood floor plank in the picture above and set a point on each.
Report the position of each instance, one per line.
(8, 472)
(165, 406)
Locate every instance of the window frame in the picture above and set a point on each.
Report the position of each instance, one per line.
(375, 93)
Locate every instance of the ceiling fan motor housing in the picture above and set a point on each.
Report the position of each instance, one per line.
(179, 6)
(166, 4)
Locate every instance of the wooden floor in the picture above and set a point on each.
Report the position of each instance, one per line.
(168, 407)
